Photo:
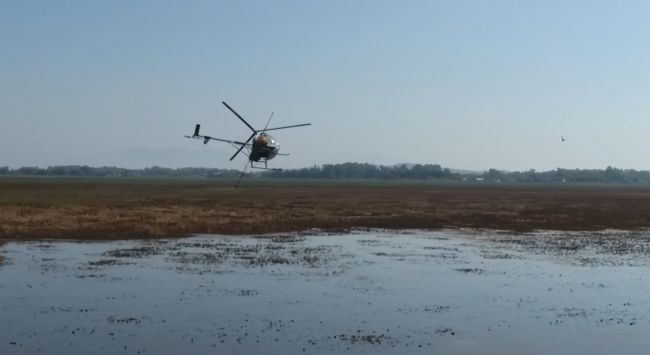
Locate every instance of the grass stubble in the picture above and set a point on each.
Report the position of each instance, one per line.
(35, 208)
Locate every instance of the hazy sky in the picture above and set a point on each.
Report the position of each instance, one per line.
(466, 84)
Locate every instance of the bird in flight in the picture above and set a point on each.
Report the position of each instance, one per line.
(563, 139)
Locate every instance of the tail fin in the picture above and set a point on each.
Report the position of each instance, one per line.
(196, 130)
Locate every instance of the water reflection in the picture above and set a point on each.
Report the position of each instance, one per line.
(378, 292)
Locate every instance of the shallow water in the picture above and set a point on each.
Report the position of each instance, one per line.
(452, 292)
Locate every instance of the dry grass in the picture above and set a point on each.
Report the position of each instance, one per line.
(125, 208)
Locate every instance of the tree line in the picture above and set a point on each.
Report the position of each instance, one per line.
(369, 172)
(110, 171)
(608, 175)
(352, 171)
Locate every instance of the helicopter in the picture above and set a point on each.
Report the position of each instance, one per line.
(260, 147)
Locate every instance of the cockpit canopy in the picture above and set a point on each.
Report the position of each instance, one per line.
(267, 140)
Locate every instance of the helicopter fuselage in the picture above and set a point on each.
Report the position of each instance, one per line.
(264, 147)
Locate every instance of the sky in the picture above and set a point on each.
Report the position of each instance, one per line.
(464, 84)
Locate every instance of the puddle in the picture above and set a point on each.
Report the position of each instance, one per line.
(452, 292)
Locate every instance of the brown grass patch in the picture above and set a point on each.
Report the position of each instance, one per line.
(125, 208)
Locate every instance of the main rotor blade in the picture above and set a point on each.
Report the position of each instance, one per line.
(238, 116)
(267, 122)
(242, 173)
(284, 127)
(243, 145)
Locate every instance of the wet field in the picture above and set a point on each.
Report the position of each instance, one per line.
(451, 292)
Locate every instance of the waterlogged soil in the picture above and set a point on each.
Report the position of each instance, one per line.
(377, 292)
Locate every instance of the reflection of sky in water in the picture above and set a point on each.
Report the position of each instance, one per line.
(444, 292)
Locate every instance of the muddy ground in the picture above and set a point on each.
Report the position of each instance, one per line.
(141, 208)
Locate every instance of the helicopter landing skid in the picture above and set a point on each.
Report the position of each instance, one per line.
(265, 167)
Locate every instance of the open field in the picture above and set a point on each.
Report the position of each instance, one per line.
(129, 208)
